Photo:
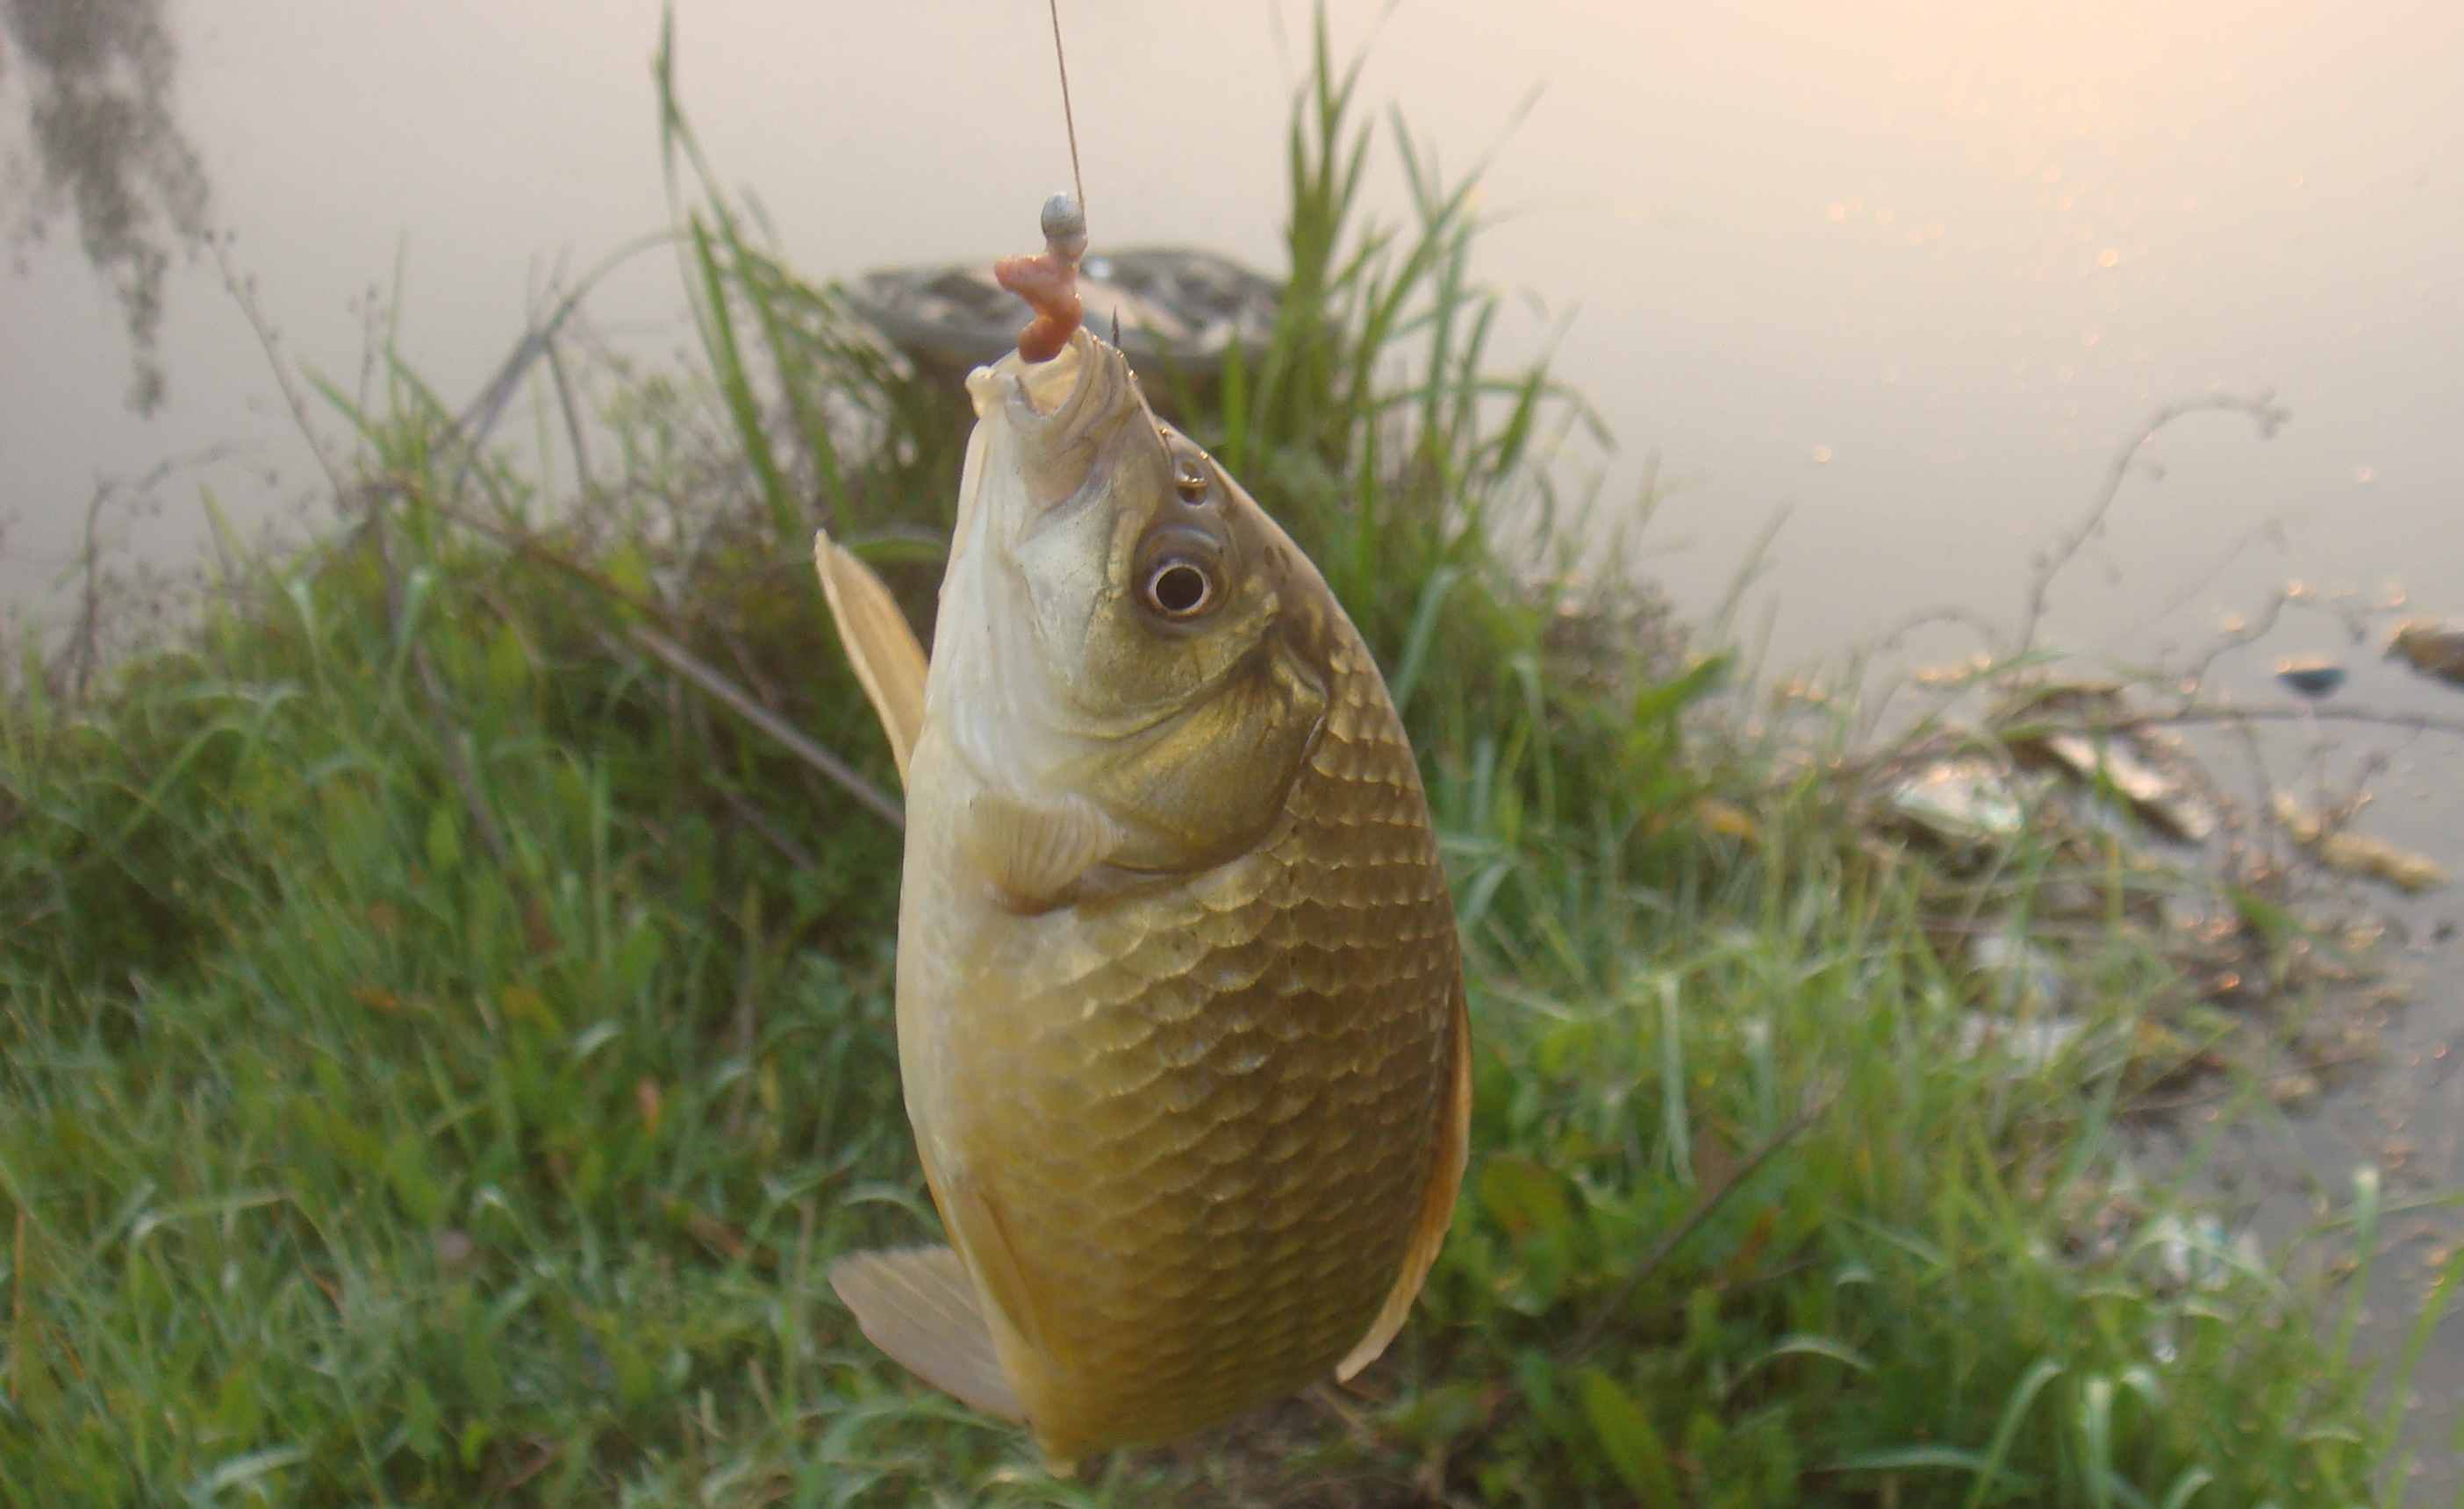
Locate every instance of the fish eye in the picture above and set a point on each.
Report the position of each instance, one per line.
(1180, 589)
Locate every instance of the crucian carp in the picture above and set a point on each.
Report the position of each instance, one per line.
(1181, 1020)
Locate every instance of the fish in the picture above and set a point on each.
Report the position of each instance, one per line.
(2313, 676)
(2430, 648)
(1183, 1029)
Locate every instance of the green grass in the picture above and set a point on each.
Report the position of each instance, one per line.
(443, 1046)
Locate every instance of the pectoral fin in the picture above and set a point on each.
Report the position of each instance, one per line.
(1033, 852)
(889, 661)
(918, 1306)
(1437, 1204)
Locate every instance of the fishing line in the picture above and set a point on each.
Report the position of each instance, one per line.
(1067, 118)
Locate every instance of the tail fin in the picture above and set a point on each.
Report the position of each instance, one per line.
(1437, 1205)
(919, 1305)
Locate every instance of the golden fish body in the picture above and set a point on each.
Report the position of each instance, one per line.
(1180, 1010)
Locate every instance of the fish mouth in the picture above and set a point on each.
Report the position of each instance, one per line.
(1061, 412)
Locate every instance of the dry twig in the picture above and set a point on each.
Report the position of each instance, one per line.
(686, 664)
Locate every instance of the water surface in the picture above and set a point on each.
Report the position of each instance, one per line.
(1908, 270)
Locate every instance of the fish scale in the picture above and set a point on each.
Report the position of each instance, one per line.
(1278, 1214)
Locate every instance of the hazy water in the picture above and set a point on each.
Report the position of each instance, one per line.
(1907, 269)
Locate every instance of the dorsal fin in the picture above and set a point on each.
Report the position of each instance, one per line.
(1437, 1204)
(888, 660)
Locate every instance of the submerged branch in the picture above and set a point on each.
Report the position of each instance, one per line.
(2373, 718)
(2263, 411)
